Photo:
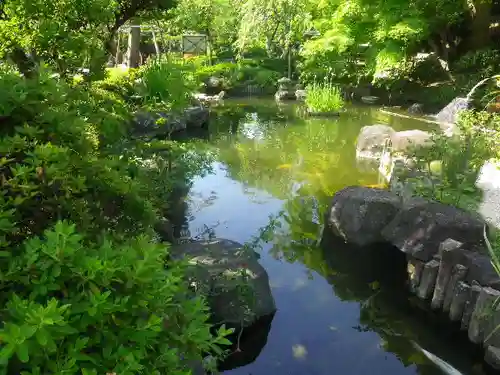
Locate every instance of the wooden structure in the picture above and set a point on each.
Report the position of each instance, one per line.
(194, 44)
(189, 44)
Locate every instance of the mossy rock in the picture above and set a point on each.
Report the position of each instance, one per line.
(229, 274)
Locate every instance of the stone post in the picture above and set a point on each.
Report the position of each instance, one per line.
(492, 357)
(447, 250)
(479, 323)
(457, 274)
(428, 279)
(460, 297)
(492, 331)
(470, 305)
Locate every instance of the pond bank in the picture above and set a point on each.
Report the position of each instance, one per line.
(270, 189)
(447, 262)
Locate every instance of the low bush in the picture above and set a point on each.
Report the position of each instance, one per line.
(86, 288)
(460, 160)
(167, 82)
(324, 97)
(239, 75)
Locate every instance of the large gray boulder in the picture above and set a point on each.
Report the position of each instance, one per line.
(421, 225)
(372, 138)
(157, 124)
(284, 95)
(229, 274)
(196, 116)
(416, 109)
(359, 214)
(404, 140)
(301, 95)
(366, 216)
(163, 124)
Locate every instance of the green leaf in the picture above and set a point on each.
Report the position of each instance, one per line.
(42, 337)
(6, 352)
(56, 270)
(22, 352)
(224, 341)
(27, 331)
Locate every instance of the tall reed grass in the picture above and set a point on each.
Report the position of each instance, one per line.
(324, 97)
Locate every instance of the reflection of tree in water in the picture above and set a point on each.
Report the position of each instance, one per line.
(376, 279)
(304, 163)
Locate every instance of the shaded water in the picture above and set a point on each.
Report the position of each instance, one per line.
(340, 310)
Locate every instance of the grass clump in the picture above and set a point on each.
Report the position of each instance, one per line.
(324, 97)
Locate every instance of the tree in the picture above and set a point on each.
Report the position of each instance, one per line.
(217, 19)
(66, 34)
(276, 23)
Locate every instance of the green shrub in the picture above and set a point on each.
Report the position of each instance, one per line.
(85, 288)
(120, 81)
(235, 75)
(460, 159)
(324, 97)
(81, 308)
(167, 82)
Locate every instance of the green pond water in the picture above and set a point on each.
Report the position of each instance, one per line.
(340, 310)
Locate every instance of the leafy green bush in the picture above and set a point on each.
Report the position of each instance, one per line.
(460, 159)
(85, 288)
(167, 82)
(482, 63)
(83, 308)
(236, 75)
(324, 97)
(120, 81)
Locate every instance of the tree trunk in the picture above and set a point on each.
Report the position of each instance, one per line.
(25, 64)
(441, 55)
(134, 41)
(289, 53)
(118, 54)
(480, 11)
(155, 42)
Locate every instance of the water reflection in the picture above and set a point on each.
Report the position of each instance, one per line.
(340, 310)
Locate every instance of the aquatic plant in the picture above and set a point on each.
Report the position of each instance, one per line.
(324, 97)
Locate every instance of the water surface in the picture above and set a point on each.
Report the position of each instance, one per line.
(340, 310)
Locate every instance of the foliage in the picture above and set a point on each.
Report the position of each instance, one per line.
(236, 75)
(460, 160)
(215, 18)
(98, 308)
(67, 35)
(276, 25)
(166, 82)
(324, 97)
(120, 81)
(85, 288)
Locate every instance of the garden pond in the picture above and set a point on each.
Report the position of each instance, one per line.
(340, 311)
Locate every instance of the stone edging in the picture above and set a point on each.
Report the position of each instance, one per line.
(447, 263)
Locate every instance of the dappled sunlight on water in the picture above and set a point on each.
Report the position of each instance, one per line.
(340, 311)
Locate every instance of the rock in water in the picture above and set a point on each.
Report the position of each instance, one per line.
(229, 274)
(404, 140)
(300, 95)
(284, 95)
(421, 225)
(371, 139)
(416, 109)
(196, 117)
(359, 214)
(366, 216)
(449, 114)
